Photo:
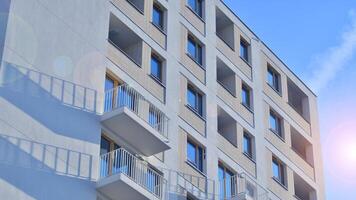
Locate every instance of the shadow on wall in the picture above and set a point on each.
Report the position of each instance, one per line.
(40, 170)
(59, 105)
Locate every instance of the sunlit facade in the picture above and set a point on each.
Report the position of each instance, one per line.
(149, 99)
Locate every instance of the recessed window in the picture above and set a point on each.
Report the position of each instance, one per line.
(273, 79)
(275, 123)
(196, 6)
(246, 96)
(157, 16)
(195, 155)
(156, 67)
(195, 100)
(244, 50)
(248, 145)
(195, 50)
(227, 183)
(279, 171)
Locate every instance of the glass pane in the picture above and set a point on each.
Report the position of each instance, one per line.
(192, 4)
(191, 48)
(200, 104)
(157, 17)
(104, 146)
(273, 122)
(200, 55)
(245, 96)
(191, 152)
(270, 77)
(109, 94)
(156, 68)
(191, 98)
(244, 51)
(221, 183)
(275, 168)
(247, 145)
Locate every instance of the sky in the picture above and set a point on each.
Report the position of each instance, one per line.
(317, 40)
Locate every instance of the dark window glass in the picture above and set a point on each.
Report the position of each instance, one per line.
(273, 79)
(227, 183)
(104, 146)
(275, 124)
(197, 6)
(109, 94)
(156, 68)
(278, 170)
(195, 50)
(244, 50)
(157, 16)
(246, 96)
(195, 100)
(195, 155)
(247, 141)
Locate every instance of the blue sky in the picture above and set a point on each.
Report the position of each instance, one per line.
(317, 40)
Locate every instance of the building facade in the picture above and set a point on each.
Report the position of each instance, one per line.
(149, 99)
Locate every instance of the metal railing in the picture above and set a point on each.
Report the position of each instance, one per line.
(199, 186)
(239, 186)
(121, 161)
(125, 96)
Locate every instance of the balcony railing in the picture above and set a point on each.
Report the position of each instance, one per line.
(125, 96)
(199, 186)
(241, 186)
(121, 161)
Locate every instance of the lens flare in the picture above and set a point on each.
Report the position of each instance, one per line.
(340, 152)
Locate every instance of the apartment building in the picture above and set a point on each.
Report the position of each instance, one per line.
(149, 99)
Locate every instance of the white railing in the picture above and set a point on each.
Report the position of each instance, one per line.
(240, 185)
(125, 96)
(199, 186)
(121, 161)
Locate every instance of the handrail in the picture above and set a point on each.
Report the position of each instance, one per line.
(241, 184)
(199, 186)
(125, 96)
(121, 161)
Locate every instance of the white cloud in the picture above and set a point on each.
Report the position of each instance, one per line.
(335, 58)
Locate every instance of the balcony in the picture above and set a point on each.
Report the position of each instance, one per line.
(302, 190)
(241, 187)
(185, 184)
(129, 115)
(123, 176)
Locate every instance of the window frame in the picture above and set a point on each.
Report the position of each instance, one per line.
(249, 138)
(245, 55)
(198, 7)
(199, 153)
(233, 185)
(247, 90)
(160, 68)
(198, 50)
(276, 79)
(282, 176)
(278, 123)
(198, 107)
(158, 8)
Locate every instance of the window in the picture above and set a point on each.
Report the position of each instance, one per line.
(279, 171)
(275, 123)
(273, 79)
(247, 145)
(109, 95)
(244, 48)
(157, 16)
(156, 68)
(246, 96)
(195, 50)
(196, 6)
(227, 183)
(106, 162)
(195, 100)
(195, 155)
